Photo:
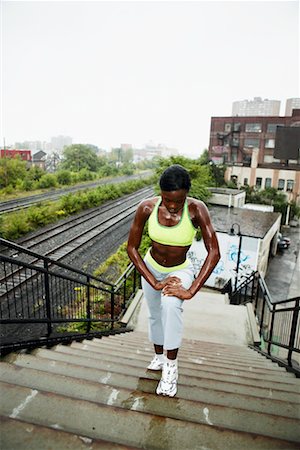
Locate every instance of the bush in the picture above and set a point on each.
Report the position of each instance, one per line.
(47, 181)
(64, 177)
(16, 226)
(27, 185)
(85, 175)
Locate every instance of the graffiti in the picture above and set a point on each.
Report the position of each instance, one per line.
(198, 263)
(233, 254)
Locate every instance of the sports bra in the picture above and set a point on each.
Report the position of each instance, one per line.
(179, 235)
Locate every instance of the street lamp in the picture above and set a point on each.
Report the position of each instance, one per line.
(232, 232)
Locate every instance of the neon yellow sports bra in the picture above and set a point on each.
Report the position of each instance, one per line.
(179, 235)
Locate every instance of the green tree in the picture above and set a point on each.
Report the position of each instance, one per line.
(200, 175)
(80, 156)
(204, 159)
(11, 171)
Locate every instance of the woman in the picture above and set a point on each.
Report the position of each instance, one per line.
(167, 275)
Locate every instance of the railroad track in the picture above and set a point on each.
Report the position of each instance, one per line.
(8, 206)
(59, 229)
(12, 282)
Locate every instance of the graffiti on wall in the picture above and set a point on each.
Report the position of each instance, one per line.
(227, 266)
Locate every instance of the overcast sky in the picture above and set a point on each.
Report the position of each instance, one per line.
(107, 73)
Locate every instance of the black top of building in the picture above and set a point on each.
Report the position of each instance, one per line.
(254, 224)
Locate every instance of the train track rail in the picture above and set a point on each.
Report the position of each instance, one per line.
(12, 282)
(8, 206)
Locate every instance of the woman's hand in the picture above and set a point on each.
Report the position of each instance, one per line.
(169, 281)
(177, 290)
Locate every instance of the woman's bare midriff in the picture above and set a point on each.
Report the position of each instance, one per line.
(167, 255)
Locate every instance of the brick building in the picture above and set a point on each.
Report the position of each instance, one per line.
(25, 155)
(247, 145)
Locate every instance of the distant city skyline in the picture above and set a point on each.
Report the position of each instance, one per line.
(110, 73)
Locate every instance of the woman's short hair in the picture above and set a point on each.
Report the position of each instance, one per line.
(174, 178)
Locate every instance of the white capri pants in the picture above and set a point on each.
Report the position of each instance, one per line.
(165, 312)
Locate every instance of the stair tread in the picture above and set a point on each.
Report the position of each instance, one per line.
(112, 424)
(272, 372)
(183, 354)
(24, 434)
(189, 410)
(188, 387)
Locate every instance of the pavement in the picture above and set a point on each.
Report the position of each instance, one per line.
(283, 274)
(207, 317)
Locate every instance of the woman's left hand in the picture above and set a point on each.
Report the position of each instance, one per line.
(178, 291)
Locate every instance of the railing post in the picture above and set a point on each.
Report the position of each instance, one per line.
(271, 329)
(134, 279)
(112, 306)
(124, 292)
(47, 297)
(262, 310)
(88, 304)
(293, 332)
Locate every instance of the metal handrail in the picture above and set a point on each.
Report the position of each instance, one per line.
(42, 296)
(278, 322)
(24, 250)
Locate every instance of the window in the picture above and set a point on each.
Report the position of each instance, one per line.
(236, 127)
(268, 158)
(271, 128)
(258, 182)
(268, 183)
(253, 127)
(233, 155)
(281, 184)
(245, 181)
(227, 127)
(290, 185)
(251, 143)
(270, 143)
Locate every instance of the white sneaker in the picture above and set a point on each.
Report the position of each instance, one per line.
(156, 363)
(168, 382)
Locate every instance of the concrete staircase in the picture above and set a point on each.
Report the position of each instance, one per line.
(98, 394)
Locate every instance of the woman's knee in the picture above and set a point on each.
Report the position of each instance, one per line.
(171, 304)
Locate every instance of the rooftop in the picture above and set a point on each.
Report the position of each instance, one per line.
(226, 191)
(252, 223)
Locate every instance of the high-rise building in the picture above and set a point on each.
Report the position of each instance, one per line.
(256, 107)
(291, 103)
(59, 142)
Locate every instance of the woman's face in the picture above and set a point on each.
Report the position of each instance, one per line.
(174, 200)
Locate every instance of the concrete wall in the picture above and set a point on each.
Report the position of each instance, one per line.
(226, 267)
(254, 255)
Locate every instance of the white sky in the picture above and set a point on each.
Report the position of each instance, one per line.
(107, 73)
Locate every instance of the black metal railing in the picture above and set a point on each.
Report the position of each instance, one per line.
(46, 301)
(278, 321)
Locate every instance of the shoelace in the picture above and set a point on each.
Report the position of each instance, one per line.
(169, 378)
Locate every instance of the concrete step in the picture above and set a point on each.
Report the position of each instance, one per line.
(189, 388)
(279, 391)
(18, 434)
(206, 348)
(123, 426)
(227, 417)
(240, 354)
(274, 373)
(254, 362)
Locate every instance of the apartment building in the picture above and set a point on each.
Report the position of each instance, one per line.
(256, 107)
(247, 145)
(291, 103)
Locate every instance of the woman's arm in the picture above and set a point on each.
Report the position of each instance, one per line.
(213, 255)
